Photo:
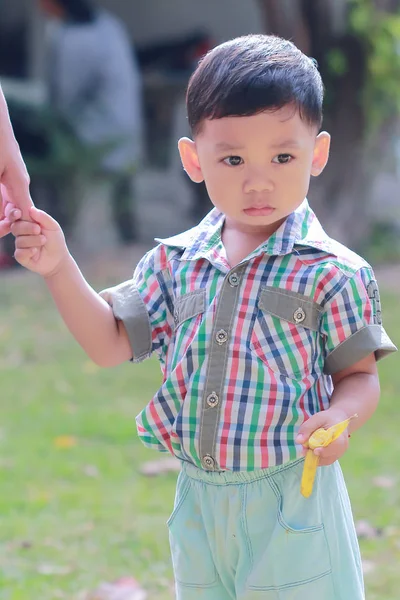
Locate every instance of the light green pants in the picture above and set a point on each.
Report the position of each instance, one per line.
(251, 535)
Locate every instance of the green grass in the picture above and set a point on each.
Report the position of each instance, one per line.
(73, 517)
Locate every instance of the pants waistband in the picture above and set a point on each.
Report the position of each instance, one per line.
(234, 477)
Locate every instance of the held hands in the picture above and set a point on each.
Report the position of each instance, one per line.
(39, 244)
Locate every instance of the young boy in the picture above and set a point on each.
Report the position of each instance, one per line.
(266, 330)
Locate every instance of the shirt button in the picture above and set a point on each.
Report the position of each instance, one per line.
(176, 316)
(208, 462)
(221, 337)
(299, 315)
(234, 279)
(212, 399)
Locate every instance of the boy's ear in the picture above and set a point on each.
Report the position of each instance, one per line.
(321, 153)
(190, 159)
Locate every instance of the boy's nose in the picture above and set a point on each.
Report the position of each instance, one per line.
(258, 180)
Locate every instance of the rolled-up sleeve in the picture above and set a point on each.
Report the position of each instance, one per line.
(139, 303)
(352, 324)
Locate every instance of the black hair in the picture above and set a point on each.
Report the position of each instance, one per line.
(252, 74)
(78, 11)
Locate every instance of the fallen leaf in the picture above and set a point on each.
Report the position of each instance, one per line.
(90, 367)
(49, 569)
(384, 482)
(26, 545)
(125, 588)
(65, 441)
(91, 471)
(158, 467)
(63, 387)
(368, 566)
(367, 531)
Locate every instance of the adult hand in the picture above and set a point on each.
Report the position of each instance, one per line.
(14, 178)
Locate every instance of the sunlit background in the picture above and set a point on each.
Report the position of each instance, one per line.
(83, 504)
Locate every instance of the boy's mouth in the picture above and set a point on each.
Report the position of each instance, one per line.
(259, 211)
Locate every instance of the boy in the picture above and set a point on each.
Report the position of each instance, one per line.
(266, 330)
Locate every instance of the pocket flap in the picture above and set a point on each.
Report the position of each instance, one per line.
(290, 306)
(190, 305)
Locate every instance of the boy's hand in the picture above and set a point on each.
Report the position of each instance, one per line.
(325, 419)
(39, 245)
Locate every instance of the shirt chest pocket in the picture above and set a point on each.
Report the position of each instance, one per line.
(285, 332)
(188, 315)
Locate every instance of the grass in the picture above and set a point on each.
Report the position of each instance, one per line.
(74, 509)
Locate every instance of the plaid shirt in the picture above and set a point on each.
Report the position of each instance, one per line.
(247, 353)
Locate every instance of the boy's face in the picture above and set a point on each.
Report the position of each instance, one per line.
(257, 169)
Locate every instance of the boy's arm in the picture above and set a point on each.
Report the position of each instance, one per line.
(88, 317)
(354, 339)
(356, 391)
(41, 248)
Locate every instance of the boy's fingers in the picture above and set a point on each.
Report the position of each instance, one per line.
(24, 257)
(44, 219)
(29, 241)
(25, 228)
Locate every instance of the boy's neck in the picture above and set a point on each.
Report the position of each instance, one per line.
(241, 241)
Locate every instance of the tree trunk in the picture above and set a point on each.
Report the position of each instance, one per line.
(319, 27)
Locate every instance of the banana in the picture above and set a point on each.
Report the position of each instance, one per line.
(320, 438)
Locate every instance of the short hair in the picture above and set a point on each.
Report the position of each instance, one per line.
(253, 74)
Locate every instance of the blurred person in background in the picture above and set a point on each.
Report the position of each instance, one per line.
(95, 86)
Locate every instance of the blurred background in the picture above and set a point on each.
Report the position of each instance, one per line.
(96, 93)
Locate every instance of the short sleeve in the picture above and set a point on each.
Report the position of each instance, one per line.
(352, 324)
(140, 304)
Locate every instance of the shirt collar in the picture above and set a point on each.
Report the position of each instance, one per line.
(301, 228)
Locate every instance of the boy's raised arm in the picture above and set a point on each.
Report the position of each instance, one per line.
(41, 248)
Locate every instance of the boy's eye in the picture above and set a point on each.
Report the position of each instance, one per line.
(282, 159)
(233, 161)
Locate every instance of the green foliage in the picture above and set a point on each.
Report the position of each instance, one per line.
(383, 244)
(50, 148)
(337, 62)
(380, 31)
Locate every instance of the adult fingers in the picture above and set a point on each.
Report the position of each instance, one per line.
(4, 222)
(15, 180)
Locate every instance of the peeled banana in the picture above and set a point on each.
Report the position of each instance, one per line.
(320, 438)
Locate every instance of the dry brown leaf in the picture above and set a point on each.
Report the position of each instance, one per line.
(384, 481)
(65, 441)
(49, 569)
(90, 368)
(91, 471)
(158, 467)
(368, 566)
(367, 531)
(125, 588)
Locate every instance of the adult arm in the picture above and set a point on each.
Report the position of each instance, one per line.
(14, 178)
